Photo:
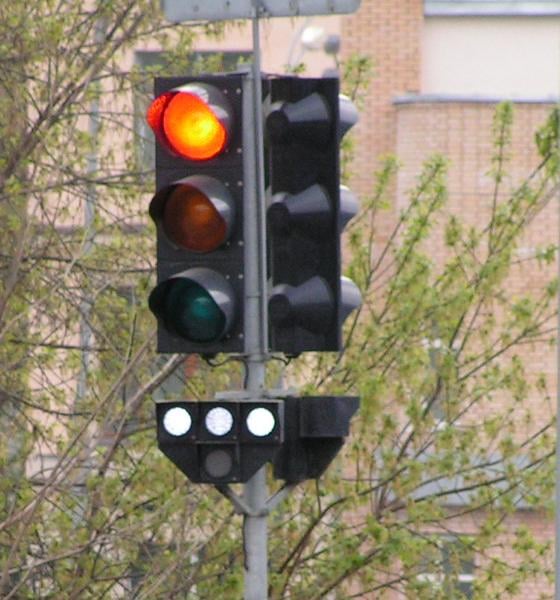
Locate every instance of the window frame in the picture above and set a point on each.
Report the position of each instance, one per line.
(439, 572)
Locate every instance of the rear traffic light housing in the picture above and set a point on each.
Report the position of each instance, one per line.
(315, 430)
(308, 210)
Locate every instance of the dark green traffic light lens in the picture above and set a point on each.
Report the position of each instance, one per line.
(190, 311)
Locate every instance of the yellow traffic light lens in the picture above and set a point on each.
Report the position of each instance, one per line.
(191, 220)
(191, 127)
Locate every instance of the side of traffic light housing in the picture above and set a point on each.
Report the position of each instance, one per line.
(221, 441)
(307, 213)
(198, 212)
(315, 429)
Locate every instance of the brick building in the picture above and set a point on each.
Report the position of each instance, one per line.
(441, 67)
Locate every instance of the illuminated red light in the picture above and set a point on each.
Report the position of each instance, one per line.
(191, 220)
(192, 129)
(188, 124)
(154, 116)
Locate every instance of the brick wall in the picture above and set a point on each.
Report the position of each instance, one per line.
(388, 31)
(462, 132)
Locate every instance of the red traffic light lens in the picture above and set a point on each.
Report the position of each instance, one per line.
(154, 115)
(192, 128)
(192, 121)
(191, 220)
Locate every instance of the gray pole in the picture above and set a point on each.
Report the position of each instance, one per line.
(557, 469)
(255, 534)
(86, 333)
(557, 457)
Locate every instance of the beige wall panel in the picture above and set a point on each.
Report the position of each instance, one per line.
(512, 57)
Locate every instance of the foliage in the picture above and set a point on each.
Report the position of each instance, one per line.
(90, 508)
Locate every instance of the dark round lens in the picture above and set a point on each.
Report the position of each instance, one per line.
(218, 463)
(192, 313)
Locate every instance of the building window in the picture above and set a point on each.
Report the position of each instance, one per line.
(448, 567)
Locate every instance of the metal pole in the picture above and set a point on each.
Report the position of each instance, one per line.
(557, 465)
(255, 533)
(86, 333)
(557, 469)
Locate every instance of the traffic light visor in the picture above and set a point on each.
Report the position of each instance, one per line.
(307, 121)
(192, 121)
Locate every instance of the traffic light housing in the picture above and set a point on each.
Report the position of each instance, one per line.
(220, 441)
(228, 441)
(315, 429)
(198, 212)
(307, 213)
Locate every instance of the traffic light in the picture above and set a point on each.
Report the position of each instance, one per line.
(307, 213)
(198, 212)
(221, 441)
(315, 428)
